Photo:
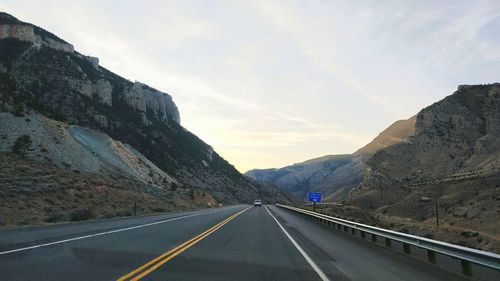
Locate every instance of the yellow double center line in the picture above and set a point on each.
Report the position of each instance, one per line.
(149, 267)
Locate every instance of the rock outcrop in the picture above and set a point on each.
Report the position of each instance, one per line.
(102, 91)
(10, 27)
(148, 100)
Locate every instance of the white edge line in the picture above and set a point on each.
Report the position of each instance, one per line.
(104, 233)
(320, 273)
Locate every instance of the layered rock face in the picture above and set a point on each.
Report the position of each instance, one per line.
(82, 79)
(149, 100)
(10, 27)
(21, 32)
(455, 137)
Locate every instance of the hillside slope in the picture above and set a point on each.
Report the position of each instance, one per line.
(127, 127)
(398, 132)
(459, 135)
(79, 149)
(453, 158)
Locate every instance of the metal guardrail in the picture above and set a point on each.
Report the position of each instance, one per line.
(464, 254)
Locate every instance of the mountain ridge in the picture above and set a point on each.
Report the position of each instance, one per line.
(333, 175)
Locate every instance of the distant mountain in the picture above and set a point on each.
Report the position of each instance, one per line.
(75, 115)
(312, 175)
(333, 175)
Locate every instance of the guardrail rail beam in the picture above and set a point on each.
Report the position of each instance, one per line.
(467, 256)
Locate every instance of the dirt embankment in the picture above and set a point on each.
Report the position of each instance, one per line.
(468, 210)
(77, 148)
(34, 193)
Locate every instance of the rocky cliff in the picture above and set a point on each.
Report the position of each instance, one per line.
(458, 136)
(43, 77)
(10, 27)
(36, 59)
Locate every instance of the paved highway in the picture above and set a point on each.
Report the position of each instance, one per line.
(230, 243)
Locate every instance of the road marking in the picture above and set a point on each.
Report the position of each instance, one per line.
(105, 233)
(152, 265)
(304, 254)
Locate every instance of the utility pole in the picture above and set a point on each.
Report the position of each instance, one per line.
(135, 208)
(437, 209)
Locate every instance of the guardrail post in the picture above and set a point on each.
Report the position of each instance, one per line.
(363, 234)
(431, 256)
(353, 231)
(388, 242)
(466, 267)
(374, 238)
(406, 248)
(345, 228)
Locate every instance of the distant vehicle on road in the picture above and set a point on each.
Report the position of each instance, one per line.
(257, 203)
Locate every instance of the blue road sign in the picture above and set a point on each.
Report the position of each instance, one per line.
(314, 197)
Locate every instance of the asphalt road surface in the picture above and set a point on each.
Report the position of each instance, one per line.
(230, 243)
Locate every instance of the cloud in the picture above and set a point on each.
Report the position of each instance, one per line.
(173, 31)
(269, 83)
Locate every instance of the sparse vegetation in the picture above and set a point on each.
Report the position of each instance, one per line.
(55, 217)
(80, 214)
(21, 144)
(50, 191)
(19, 110)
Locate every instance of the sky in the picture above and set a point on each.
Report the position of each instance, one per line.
(272, 83)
